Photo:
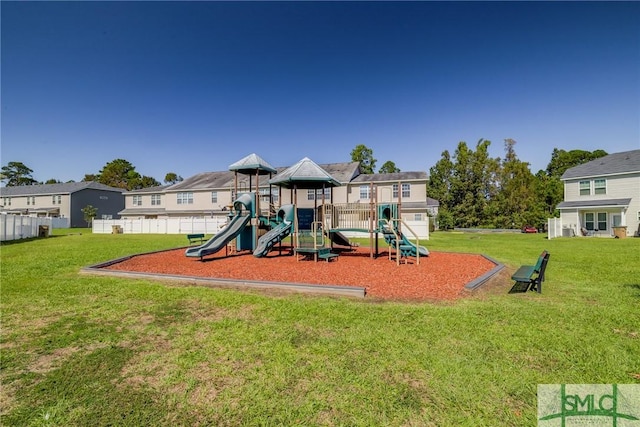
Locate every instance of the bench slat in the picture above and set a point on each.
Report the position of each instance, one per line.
(524, 273)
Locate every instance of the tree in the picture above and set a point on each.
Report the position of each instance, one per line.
(562, 160)
(53, 181)
(120, 173)
(89, 213)
(172, 178)
(17, 173)
(439, 188)
(90, 177)
(516, 202)
(465, 186)
(145, 182)
(388, 167)
(363, 154)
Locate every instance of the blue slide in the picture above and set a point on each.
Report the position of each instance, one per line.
(228, 233)
(277, 233)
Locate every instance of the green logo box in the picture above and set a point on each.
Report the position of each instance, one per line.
(593, 405)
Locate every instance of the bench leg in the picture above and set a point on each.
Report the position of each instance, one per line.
(536, 285)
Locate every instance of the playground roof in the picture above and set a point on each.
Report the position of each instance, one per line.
(251, 164)
(305, 174)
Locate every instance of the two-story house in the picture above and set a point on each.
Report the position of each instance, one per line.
(65, 200)
(602, 196)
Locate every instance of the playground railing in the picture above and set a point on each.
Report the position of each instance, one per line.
(394, 226)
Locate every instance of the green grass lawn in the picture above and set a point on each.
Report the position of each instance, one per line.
(92, 350)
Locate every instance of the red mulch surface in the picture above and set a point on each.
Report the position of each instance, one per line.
(440, 276)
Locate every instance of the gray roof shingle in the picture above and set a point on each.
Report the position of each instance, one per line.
(62, 188)
(612, 164)
(594, 203)
(391, 177)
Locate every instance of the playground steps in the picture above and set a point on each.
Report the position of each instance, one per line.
(317, 253)
(328, 256)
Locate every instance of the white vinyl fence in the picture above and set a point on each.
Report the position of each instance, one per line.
(557, 229)
(159, 226)
(14, 227)
(554, 228)
(200, 225)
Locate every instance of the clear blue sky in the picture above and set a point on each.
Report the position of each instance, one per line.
(188, 87)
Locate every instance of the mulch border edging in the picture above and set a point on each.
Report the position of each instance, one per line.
(352, 291)
(479, 281)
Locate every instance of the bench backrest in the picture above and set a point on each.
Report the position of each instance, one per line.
(541, 258)
(543, 265)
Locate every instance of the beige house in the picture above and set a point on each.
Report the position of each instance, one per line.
(211, 194)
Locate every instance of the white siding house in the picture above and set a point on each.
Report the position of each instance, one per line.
(602, 197)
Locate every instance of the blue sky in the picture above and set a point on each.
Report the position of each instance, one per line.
(188, 87)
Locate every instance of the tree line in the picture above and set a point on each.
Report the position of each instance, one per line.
(118, 173)
(476, 190)
(473, 189)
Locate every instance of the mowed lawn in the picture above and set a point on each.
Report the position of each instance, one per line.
(91, 350)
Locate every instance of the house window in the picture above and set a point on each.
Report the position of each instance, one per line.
(265, 197)
(155, 200)
(318, 194)
(585, 188)
(53, 199)
(137, 200)
(417, 217)
(406, 190)
(185, 198)
(602, 221)
(589, 222)
(599, 186)
(59, 200)
(31, 200)
(214, 197)
(365, 192)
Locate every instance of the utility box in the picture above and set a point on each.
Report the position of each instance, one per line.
(620, 232)
(43, 231)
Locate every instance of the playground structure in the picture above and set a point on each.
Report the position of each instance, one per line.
(314, 232)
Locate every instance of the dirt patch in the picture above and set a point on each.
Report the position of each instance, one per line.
(440, 276)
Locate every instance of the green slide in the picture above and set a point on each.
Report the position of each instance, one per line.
(277, 233)
(220, 240)
(242, 207)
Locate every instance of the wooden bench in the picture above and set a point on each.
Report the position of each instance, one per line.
(532, 276)
(193, 238)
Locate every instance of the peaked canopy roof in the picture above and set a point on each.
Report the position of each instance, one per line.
(304, 174)
(251, 164)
